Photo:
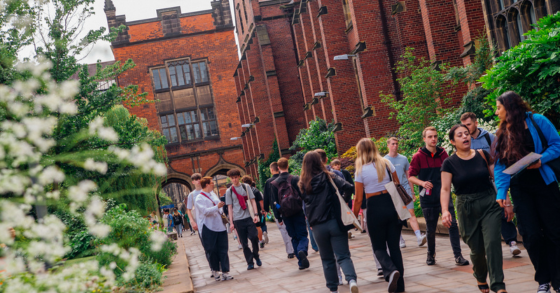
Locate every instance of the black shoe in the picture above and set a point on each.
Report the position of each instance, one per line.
(303, 259)
(262, 244)
(393, 280)
(291, 255)
(250, 267)
(259, 262)
(380, 272)
(431, 260)
(461, 261)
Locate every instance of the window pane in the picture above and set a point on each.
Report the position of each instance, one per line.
(163, 76)
(157, 83)
(190, 131)
(183, 132)
(211, 113)
(206, 129)
(166, 133)
(204, 95)
(214, 127)
(187, 71)
(203, 72)
(194, 116)
(520, 27)
(171, 120)
(180, 119)
(203, 114)
(196, 73)
(173, 76)
(188, 117)
(180, 78)
(173, 132)
(197, 132)
(163, 121)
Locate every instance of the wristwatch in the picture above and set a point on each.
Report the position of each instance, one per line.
(256, 215)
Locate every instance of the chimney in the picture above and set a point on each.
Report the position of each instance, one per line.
(114, 21)
(221, 13)
(170, 23)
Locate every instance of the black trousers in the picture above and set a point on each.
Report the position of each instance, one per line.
(216, 247)
(509, 232)
(247, 231)
(431, 215)
(536, 206)
(384, 228)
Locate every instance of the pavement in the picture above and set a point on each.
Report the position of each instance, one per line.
(279, 274)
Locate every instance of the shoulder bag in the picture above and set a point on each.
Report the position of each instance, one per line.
(224, 218)
(553, 164)
(347, 216)
(397, 193)
(405, 197)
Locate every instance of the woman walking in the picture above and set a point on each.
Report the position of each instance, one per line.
(322, 209)
(534, 191)
(209, 211)
(383, 223)
(178, 222)
(478, 213)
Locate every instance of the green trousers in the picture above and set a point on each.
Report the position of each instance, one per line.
(480, 224)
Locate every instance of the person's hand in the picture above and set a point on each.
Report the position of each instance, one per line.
(280, 223)
(221, 204)
(427, 185)
(195, 226)
(255, 219)
(446, 219)
(500, 202)
(508, 211)
(535, 165)
(264, 213)
(231, 226)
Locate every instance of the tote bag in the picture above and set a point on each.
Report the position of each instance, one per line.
(400, 207)
(346, 214)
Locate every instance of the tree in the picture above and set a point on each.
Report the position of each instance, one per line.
(319, 135)
(426, 92)
(532, 69)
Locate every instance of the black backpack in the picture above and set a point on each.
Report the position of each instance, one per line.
(290, 202)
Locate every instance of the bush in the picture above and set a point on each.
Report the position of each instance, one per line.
(82, 245)
(164, 256)
(319, 135)
(148, 278)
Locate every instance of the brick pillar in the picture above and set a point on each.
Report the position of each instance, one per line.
(472, 26)
(303, 70)
(250, 107)
(342, 86)
(242, 118)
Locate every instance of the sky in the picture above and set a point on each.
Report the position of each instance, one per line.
(134, 10)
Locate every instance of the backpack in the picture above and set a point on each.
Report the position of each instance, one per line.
(290, 203)
(488, 140)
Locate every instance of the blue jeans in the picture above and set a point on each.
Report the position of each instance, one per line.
(311, 237)
(179, 229)
(297, 229)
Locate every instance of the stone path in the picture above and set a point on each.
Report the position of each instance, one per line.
(279, 274)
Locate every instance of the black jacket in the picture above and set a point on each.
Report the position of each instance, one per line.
(274, 191)
(322, 204)
(268, 200)
(178, 219)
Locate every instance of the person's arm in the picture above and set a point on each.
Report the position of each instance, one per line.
(254, 204)
(191, 220)
(358, 197)
(274, 199)
(266, 197)
(502, 181)
(230, 213)
(445, 195)
(411, 186)
(414, 170)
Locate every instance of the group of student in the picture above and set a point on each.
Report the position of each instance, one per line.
(310, 203)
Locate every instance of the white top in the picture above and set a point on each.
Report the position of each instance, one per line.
(368, 176)
(208, 213)
(190, 202)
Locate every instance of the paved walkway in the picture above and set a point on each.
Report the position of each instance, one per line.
(279, 274)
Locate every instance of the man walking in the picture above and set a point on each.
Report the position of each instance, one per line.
(483, 140)
(295, 221)
(425, 171)
(269, 202)
(401, 164)
(243, 216)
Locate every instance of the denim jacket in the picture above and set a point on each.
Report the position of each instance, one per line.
(551, 134)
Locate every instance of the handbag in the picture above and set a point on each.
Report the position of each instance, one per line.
(488, 166)
(555, 163)
(225, 220)
(347, 216)
(405, 197)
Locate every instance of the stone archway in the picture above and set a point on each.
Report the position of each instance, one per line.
(177, 186)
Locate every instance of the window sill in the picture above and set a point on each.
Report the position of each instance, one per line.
(161, 90)
(349, 28)
(202, 83)
(176, 88)
(214, 137)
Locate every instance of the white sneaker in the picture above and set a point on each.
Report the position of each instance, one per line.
(265, 237)
(403, 244)
(514, 249)
(544, 288)
(239, 246)
(421, 240)
(226, 277)
(340, 282)
(216, 275)
(353, 286)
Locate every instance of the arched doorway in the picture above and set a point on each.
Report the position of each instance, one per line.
(177, 187)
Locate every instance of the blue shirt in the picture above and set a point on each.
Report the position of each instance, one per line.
(401, 164)
(551, 135)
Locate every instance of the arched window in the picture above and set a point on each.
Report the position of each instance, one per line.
(520, 30)
(501, 4)
(540, 9)
(503, 33)
(532, 14)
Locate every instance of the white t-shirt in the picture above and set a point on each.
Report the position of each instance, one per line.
(209, 214)
(368, 176)
(190, 202)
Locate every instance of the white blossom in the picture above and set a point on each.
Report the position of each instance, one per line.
(158, 238)
(92, 165)
(51, 174)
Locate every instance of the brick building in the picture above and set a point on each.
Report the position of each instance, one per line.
(185, 60)
(288, 74)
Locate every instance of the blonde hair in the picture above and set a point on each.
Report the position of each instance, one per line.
(367, 153)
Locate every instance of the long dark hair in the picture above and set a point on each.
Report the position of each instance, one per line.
(311, 166)
(508, 147)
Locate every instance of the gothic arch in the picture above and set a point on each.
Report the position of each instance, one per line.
(177, 178)
(222, 167)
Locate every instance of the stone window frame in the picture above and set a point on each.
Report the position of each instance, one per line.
(177, 123)
(509, 33)
(347, 15)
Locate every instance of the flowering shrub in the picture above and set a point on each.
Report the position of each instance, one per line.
(31, 178)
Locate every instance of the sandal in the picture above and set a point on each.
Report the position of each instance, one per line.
(484, 288)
